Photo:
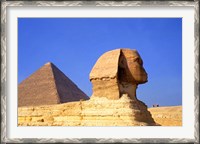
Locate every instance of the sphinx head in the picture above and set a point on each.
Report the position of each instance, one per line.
(131, 67)
(117, 72)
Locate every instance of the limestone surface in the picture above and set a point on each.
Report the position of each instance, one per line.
(98, 111)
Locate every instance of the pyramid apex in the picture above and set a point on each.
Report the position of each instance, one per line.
(49, 63)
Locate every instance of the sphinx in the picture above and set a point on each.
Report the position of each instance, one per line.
(118, 72)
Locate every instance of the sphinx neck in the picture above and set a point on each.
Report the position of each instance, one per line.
(128, 88)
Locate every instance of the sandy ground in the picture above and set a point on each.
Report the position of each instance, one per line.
(167, 116)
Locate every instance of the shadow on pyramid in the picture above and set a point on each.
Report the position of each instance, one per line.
(47, 86)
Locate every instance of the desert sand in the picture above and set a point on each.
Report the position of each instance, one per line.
(167, 116)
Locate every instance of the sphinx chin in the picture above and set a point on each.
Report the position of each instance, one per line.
(142, 80)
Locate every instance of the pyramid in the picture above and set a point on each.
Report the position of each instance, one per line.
(47, 86)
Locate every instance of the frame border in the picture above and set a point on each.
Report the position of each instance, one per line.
(5, 4)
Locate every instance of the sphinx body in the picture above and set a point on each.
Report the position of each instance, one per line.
(115, 76)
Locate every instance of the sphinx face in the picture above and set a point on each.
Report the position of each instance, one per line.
(134, 67)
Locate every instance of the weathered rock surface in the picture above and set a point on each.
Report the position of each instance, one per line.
(98, 111)
(167, 116)
(48, 85)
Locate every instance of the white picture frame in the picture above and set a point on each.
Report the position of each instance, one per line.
(5, 88)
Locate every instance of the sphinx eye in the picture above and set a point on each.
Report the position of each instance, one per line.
(137, 60)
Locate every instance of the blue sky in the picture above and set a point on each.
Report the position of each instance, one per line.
(75, 44)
